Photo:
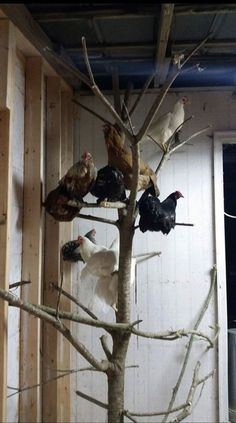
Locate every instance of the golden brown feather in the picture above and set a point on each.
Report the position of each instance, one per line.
(120, 157)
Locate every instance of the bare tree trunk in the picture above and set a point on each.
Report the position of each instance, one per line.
(116, 375)
(116, 378)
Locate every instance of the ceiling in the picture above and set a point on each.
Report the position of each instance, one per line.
(128, 42)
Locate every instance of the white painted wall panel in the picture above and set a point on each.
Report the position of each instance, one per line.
(171, 289)
(16, 236)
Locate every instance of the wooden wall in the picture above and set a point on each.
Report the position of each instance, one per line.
(26, 100)
(169, 290)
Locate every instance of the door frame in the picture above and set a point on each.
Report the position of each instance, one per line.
(220, 138)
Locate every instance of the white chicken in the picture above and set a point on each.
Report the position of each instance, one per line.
(100, 272)
(164, 127)
(88, 248)
(103, 262)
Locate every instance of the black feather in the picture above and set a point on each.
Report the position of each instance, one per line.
(109, 185)
(156, 215)
(70, 250)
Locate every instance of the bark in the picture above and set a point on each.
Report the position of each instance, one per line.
(116, 373)
(116, 378)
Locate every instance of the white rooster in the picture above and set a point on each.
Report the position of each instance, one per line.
(164, 127)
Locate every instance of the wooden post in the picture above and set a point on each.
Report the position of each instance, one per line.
(32, 240)
(5, 188)
(63, 357)
(52, 257)
(7, 74)
(7, 63)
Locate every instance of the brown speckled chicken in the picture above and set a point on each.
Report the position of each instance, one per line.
(120, 157)
(79, 178)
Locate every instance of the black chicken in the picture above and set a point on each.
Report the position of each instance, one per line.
(156, 215)
(70, 251)
(109, 185)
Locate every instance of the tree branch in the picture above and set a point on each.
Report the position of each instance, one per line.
(186, 406)
(105, 347)
(105, 204)
(172, 335)
(16, 284)
(74, 300)
(99, 94)
(190, 343)
(67, 373)
(91, 111)
(167, 153)
(157, 103)
(169, 335)
(91, 399)
(37, 311)
(98, 219)
(195, 383)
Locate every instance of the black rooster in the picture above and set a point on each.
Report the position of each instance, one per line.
(156, 215)
(109, 185)
(70, 251)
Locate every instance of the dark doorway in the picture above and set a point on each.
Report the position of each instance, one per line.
(229, 168)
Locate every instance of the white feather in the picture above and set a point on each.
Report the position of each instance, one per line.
(164, 127)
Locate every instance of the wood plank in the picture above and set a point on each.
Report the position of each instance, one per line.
(167, 11)
(23, 20)
(5, 193)
(52, 256)
(32, 240)
(7, 54)
(7, 79)
(66, 234)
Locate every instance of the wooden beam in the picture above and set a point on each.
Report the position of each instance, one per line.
(23, 20)
(30, 409)
(95, 12)
(205, 9)
(7, 80)
(66, 234)
(167, 10)
(51, 249)
(5, 189)
(7, 54)
(113, 48)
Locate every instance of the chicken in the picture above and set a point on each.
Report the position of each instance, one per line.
(101, 270)
(56, 205)
(80, 177)
(71, 251)
(109, 185)
(88, 248)
(120, 157)
(103, 262)
(156, 215)
(164, 127)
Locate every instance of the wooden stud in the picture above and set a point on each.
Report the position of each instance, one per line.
(7, 79)
(32, 240)
(7, 54)
(167, 11)
(66, 233)
(52, 242)
(5, 189)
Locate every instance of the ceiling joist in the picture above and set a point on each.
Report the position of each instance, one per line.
(167, 10)
(23, 20)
